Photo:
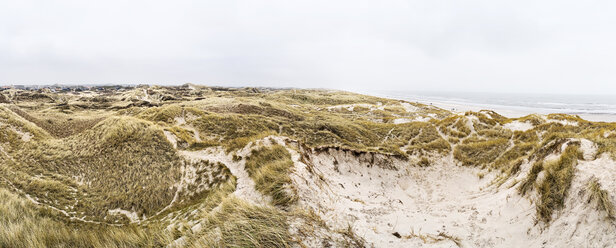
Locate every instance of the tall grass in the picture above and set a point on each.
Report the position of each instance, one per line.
(85, 163)
(601, 199)
(270, 168)
(122, 163)
(555, 186)
(479, 152)
(528, 183)
(23, 224)
(240, 224)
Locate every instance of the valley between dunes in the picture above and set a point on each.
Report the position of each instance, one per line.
(195, 166)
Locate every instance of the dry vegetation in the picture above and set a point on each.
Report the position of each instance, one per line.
(23, 224)
(270, 167)
(68, 159)
(239, 224)
(555, 186)
(601, 199)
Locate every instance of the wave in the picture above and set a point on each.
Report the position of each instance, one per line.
(531, 103)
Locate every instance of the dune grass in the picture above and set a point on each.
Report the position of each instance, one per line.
(240, 224)
(121, 163)
(555, 186)
(604, 136)
(601, 199)
(23, 224)
(424, 162)
(454, 126)
(533, 119)
(529, 136)
(269, 167)
(528, 183)
(86, 164)
(61, 125)
(233, 120)
(428, 140)
(480, 152)
(513, 155)
(10, 121)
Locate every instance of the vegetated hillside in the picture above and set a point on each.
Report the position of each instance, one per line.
(195, 166)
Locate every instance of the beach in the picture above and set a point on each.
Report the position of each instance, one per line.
(513, 113)
(592, 108)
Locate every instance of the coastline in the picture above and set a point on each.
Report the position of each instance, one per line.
(511, 112)
(507, 111)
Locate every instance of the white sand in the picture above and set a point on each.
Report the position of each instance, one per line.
(512, 112)
(413, 202)
(407, 120)
(518, 126)
(131, 215)
(171, 138)
(443, 205)
(379, 196)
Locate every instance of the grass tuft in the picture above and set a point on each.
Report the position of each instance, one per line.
(479, 152)
(25, 225)
(601, 198)
(529, 182)
(269, 167)
(239, 224)
(555, 186)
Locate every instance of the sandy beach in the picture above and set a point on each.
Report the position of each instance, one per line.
(510, 112)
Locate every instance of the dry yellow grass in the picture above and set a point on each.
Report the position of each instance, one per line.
(270, 167)
(240, 224)
(555, 186)
(601, 199)
(480, 152)
(23, 224)
(87, 155)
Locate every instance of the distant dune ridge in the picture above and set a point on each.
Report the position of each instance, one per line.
(196, 166)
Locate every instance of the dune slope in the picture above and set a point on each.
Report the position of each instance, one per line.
(195, 166)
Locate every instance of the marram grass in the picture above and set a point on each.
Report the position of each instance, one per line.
(86, 155)
(270, 167)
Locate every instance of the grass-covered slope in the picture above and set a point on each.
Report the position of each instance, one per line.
(25, 225)
(115, 157)
(121, 163)
(270, 167)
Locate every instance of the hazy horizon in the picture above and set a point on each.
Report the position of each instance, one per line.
(561, 47)
(375, 92)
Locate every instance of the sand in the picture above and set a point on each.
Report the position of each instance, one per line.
(435, 206)
(393, 203)
(511, 112)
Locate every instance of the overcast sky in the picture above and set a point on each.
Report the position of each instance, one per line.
(496, 46)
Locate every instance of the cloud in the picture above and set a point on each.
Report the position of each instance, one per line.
(539, 46)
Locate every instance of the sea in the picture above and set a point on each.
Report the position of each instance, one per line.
(589, 107)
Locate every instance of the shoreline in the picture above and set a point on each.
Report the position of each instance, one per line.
(507, 111)
(512, 113)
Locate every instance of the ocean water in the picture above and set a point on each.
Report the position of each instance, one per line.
(591, 107)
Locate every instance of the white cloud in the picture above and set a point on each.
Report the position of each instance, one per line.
(544, 46)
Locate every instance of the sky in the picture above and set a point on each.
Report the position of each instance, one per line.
(550, 46)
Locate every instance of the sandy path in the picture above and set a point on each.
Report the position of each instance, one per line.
(245, 188)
